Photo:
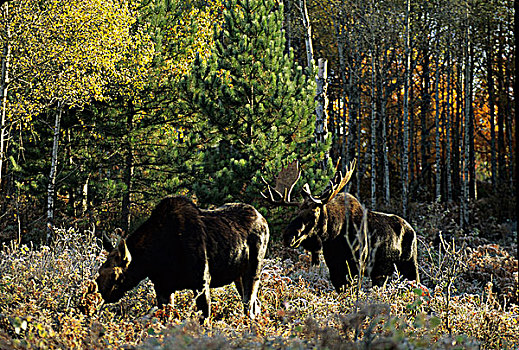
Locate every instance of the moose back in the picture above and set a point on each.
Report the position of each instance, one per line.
(183, 247)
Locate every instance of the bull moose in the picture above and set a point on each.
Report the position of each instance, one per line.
(183, 247)
(330, 223)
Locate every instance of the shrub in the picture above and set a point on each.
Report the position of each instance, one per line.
(42, 305)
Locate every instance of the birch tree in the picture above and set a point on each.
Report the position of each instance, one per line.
(373, 145)
(321, 109)
(72, 54)
(4, 83)
(307, 34)
(321, 97)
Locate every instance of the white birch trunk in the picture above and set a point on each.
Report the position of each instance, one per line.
(387, 194)
(51, 189)
(321, 108)
(308, 33)
(358, 142)
(4, 83)
(343, 105)
(84, 193)
(491, 106)
(128, 171)
(384, 93)
(373, 137)
(508, 123)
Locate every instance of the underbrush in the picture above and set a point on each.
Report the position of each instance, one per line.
(468, 300)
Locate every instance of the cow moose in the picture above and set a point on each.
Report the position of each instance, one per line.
(330, 223)
(183, 247)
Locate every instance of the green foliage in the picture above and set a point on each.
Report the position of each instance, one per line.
(73, 52)
(77, 54)
(255, 103)
(131, 79)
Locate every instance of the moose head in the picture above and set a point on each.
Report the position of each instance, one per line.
(310, 224)
(112, 274)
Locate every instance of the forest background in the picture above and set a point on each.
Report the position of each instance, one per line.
(108, 106)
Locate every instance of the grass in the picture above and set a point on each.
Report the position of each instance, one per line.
(468, 300)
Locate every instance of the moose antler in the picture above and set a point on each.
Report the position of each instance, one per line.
(335, 185)
(285, 181)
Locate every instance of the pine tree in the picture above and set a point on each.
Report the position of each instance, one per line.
(255, 101)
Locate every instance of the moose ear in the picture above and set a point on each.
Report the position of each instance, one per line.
(126, 257)
(119, 232)
(107, 244)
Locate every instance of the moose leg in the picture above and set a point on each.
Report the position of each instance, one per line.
(164, 298)
(379, 280)
(409, 269)
(248, 290)
(203, 299)
(251, 304)
(338, 278)
(381, 271)
(408, 264)
(239, 286)
(254, 304)
(341, 271)
(251, 278)
(315, 258)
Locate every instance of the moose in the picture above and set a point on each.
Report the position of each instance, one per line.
(181, 246)
(331, 223)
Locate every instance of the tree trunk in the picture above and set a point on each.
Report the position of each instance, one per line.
(385, 88)
(288, 23)
(437, 132)
(321, 108)
(491, 105)
(448, 129)
(308, 33)
(51, 188)
(128, 171)
(501, 150)
(352, 123)
(472, 147)
(464, 217)
(358, 142)
(385, 148)
(425, 173)
(6, 55)
(405, 148)
(508, 120)
(457, 138)
(515, 150)
(355, 120)
(342, 73)
(84, 195)
(373, 136)
(414, 163)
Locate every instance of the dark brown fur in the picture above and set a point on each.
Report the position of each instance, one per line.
(318, 226)
(183, 247)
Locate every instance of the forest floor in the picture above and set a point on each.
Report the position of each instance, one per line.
(468, 298)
